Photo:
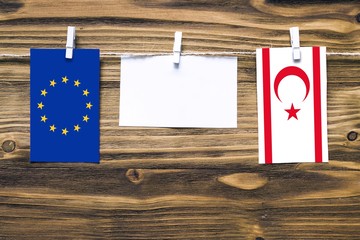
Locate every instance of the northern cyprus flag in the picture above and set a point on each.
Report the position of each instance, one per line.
(291, 98)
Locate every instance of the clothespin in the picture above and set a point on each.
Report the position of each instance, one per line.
(70, 42)
(295, 42)
(177, 47)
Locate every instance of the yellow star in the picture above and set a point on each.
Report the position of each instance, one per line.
(52, 83)
(64, 131)
(52, 128)
(41, 105)
(88, 105)
(76, 83)
(65, 79)
(77, 127)
(86, 118)
(43, 118)
(86, 92)
(43, 92)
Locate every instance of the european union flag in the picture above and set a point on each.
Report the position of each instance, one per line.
(64, 106)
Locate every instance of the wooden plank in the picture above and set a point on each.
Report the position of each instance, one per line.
(179, 183)
(149, 25)
(84, 202)
(185, 147)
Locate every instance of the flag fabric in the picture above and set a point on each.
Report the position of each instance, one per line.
(292, 119)
(64, 106)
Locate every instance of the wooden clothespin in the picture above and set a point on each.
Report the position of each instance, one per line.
(177, 47)
(295, 43)
(70, 42)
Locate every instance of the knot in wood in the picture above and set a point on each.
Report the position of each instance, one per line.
(358, 18)
(352, 136)
(259, 238)
(8, 146)
(135, 176)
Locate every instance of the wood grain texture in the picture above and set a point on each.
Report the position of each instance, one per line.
(166, 183)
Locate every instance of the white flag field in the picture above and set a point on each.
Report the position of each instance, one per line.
(292, 110)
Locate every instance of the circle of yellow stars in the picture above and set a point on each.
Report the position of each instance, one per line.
(40, 105)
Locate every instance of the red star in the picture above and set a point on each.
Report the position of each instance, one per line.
(292, 112)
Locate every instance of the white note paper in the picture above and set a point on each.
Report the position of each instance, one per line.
(199, 92)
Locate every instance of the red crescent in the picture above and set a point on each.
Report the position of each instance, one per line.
(291, 71)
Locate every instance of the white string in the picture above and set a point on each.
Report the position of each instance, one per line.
(182, 53)
(119, 54)
(343, 54)
(14, 55)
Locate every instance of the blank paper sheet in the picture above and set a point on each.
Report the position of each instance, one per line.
(200, 92)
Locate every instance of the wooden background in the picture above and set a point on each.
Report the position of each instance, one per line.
(180, 183)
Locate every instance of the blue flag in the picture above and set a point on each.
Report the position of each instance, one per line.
(64, 106)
